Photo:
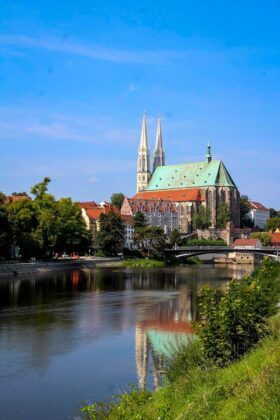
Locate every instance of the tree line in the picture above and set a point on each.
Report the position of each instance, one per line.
(41, 227)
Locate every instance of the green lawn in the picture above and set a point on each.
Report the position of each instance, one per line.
(143, 263)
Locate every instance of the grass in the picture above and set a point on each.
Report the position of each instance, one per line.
(143, 263)
(247, 389)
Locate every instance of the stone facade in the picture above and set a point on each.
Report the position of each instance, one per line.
(157, 212)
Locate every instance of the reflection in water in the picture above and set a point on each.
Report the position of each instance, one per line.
(68, 336)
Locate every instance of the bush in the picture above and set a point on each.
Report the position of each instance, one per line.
(206, 242)
(234, 320)
(264, 237)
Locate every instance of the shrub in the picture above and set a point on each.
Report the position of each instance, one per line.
(234, 320)
(206, 242)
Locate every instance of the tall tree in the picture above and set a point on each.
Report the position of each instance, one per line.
(72, 233)
(175, 237)
(245, 221)
(202, 219)
(155, 239)
(117, 199)
(46, 209)
(223, 215)
(40, 189)
(5, 236)
(110, 237)
(23, 222)
(139, 224)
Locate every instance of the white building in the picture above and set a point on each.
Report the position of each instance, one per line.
(259, 214)
(244, 257)
(129, 230)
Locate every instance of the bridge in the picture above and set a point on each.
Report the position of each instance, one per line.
(191, 251)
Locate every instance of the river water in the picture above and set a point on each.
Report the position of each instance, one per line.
(78, 336)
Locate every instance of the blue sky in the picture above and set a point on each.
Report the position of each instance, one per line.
(76, 76)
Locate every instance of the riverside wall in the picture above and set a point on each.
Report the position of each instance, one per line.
(8, 269)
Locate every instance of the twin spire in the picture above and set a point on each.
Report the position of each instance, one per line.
(159, 156)
(143, 162)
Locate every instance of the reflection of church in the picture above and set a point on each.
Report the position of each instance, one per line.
(157, 338)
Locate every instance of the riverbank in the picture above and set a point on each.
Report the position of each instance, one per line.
(9, 269)
(245, 390)
(208, 378)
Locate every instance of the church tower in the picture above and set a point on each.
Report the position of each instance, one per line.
(143, 161)
(159, 157)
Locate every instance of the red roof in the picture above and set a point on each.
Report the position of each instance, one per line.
(245, 242)
(87, 204)
(275, 238)
(257, 206)
(94, 210)
(93, 213)
(184, 194)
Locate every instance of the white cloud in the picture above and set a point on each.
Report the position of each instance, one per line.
(95, 52)
(29, 122)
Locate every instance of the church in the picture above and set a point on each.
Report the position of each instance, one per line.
(187, 185)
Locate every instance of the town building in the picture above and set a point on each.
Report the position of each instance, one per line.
(207, 183)
(258, 214)
(246, 257)
(275, 239)
(16, 197)
(91, 213)
(158, 212)
(129, 230)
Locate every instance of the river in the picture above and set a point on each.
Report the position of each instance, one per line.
(78, 336)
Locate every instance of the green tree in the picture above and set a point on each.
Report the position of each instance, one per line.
(139, 225)
(245, 221)
(223, 215)
(5, 237)
(72, 233)
(273, 223)
(139, 220)
(202, 219)
(23, 222)
(117, 199)
(46, 209)
(155, 239)
(175, 237)
(110, 237)
(40, 189)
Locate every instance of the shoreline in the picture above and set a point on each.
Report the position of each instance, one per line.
(12, 269)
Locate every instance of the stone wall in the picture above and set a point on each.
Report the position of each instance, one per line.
(228, 235)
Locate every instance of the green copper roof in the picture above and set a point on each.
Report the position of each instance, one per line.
(190, 175)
